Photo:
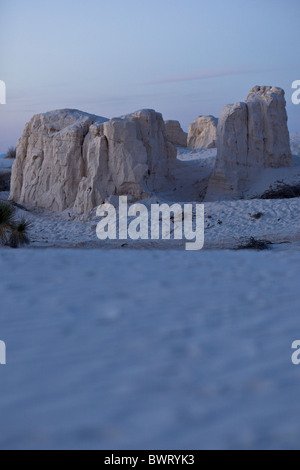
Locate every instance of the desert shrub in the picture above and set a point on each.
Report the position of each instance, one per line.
(13, 232)
(7, 213)
(254, 244)
(282, 191)
(257, 216)
(11, 153)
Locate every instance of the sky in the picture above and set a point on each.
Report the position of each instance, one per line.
(183, 58)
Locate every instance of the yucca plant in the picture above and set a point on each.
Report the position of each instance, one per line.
(7, 214)
(13, 233)
(19, 234)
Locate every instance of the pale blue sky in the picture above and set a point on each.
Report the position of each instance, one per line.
(112, 57)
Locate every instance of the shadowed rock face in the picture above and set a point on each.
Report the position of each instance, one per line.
(203, 133)
(70, 159)
(251, 136)
(175, 133)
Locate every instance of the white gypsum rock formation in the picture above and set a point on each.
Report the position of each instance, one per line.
(251, 136)
(203, 133)
(175, 133)
(69, 159)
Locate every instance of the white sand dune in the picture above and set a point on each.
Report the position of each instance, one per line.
(227, 225)
(6, 163)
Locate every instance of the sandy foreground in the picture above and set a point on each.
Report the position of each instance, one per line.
(123, 347)
(149, 349)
